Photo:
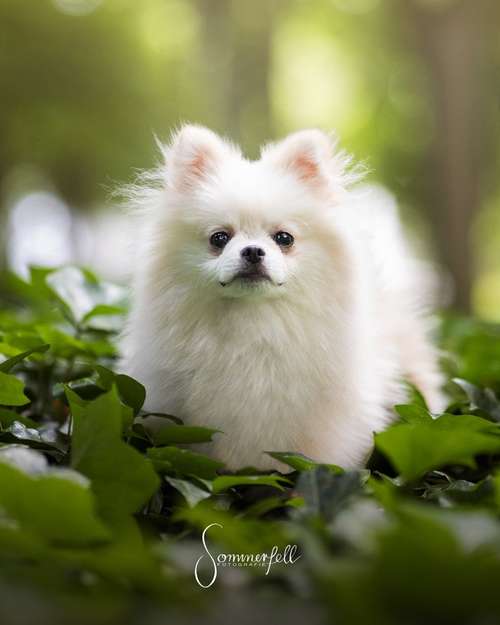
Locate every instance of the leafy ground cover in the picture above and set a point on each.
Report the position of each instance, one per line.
(101, 516)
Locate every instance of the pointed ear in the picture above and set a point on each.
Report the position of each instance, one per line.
(193, 155)
(308, 154)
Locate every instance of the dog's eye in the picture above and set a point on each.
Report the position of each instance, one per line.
(283, 239)
(220, 239)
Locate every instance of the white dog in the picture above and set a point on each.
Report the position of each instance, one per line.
(273, 303)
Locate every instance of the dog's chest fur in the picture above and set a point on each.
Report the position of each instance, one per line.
(263, 373)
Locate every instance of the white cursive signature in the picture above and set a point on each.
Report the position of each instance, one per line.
(287, 556)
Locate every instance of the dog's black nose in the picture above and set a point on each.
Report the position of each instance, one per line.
(253, 254)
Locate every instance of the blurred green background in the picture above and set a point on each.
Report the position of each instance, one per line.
(411, 87)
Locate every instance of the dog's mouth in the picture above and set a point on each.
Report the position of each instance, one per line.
(250, 278)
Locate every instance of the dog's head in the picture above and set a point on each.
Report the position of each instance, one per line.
(242, 228)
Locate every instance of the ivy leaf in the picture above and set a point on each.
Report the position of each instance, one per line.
(262, 507)
(122, 479)
(480, 399)
(53, 505)
(418, 446)
(7, 418)
(410, 413)
(224, 482)
(67, 346)
(182, 434)
(12, 391)
(183, 462)
(104, 317)
(131, 391)
(326, 493)
(161, 415)
(7, 365)
(462, 492)
(80, 293)
(415, 397)
(299, 462)
(192, 494)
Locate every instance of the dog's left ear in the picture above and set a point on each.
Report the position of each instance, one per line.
(309, 155)
(193, 156)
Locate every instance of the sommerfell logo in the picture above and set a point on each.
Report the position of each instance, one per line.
(288, 556)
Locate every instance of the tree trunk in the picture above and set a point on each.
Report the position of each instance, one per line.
(454, 44)
(235, 48)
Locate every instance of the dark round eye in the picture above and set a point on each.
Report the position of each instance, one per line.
(219, 239)
(283, 239)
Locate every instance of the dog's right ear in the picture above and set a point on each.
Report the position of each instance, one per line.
(312, 157)
(193, 156)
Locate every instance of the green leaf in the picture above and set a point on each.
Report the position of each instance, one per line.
(192, 494)
(237, 534)
(12, 391)
(475, 347)
(122, 479)
(416, 447)
(182, 434)
(80, 292)
(452, 578)
(463, 493)
(299, 462)
(262, 507)
(7, 365)
(480, 399)
(162, 415)
(7, 418)
(415, 397)
(224, 482)
(128, 562)
(184, 462)
(58, 509)
(413, 412)
(103, 309)
(104, 317)
(326, 493)
(66, 346)
(131, 391)
(85, 388)
(496, 484)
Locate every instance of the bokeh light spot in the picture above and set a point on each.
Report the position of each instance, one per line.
(77, 7)
(39, 232)
(356, 7)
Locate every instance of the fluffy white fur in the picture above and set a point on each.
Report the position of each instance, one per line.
(310, 360)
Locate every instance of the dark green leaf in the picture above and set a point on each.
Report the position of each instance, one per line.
(224, 482)
(7, 418)
(480, 399)
(161, 415)
(184, 462)
(420, 446)
(413, 412)
(12, 391)
(325, 493)
(55, 506)
(131, 391)
(415, 397)
(7, 365)
(80, 292)
(122, 479)
(299, 462)
(262, 507)
(192, 494)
